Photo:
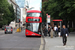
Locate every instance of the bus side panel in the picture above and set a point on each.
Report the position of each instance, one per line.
(30, 33)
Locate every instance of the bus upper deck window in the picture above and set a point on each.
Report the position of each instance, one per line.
(34, 14)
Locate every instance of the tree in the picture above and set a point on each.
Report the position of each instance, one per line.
(12, 15)
(8, 12)
(60, 9)
(43, 17)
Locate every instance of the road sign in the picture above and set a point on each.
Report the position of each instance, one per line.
(46, 14)
(48, 18)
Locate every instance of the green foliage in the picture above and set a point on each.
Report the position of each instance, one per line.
(8, 12)
(60, 9)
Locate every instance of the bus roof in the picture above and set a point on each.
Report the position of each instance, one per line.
(33, 11)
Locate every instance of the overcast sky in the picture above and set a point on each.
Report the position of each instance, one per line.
(37, 4)
(21, 3)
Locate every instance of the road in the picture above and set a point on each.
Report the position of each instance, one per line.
(2, 31)
(18, 41)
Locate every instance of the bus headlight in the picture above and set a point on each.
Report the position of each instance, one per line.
(27, 33)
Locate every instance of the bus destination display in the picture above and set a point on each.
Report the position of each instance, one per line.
(34, 20)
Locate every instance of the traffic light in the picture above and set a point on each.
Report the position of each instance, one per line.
(19, 20)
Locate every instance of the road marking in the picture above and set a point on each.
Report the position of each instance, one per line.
(65, 47)
(42, 44)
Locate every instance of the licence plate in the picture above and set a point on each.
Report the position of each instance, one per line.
(33, 34)
(8, 30)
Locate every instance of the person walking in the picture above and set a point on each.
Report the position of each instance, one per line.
(64, 34)
(59, 31)
(51, 33)
(49, 30)
(45, 31)
(55, 30)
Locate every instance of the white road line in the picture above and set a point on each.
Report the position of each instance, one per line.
(42, 43)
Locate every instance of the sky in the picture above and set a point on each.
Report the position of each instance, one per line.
(37, 4)
(21, 3)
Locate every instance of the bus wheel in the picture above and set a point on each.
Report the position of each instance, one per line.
(26, 36)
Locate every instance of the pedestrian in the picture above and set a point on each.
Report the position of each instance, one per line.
(51, 33)
(64, 34)
(49, 30)
(59, 31)
(55, 30)
(45, 31)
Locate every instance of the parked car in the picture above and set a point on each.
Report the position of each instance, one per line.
(8, 29)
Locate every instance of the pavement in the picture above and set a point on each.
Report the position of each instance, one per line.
(55, 43)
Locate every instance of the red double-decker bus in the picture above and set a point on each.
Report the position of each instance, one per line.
(33, 23)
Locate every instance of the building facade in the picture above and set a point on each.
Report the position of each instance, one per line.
(17, 12)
